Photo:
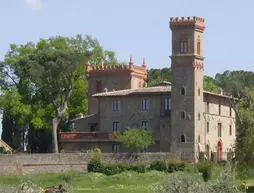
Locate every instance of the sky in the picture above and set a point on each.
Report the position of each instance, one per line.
(135, 27)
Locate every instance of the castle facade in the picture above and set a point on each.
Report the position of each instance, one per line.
(183, 117)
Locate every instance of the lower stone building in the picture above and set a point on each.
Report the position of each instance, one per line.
(184, 119)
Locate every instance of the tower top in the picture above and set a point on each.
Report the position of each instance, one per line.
(194, 22)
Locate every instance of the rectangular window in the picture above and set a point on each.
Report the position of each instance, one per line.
(230, 111)
(219, 129)
(134, 126)
(219, 109)
(167, 103)
(98, 86)
(207, 127)
(116, 126)
(207, 107)
(116, 105)
(115, 148)
(230, 130)
(144, 104)
(145, 124)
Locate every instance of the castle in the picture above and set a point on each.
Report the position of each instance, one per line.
(183, 117)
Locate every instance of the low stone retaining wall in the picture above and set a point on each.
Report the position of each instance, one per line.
(25, 164)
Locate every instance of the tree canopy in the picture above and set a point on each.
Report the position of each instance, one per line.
(45, 82)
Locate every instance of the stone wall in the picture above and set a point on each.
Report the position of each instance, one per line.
(24, 164)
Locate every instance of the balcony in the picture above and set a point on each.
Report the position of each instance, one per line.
(84, 136)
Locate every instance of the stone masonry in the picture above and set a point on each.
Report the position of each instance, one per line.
(184, 118)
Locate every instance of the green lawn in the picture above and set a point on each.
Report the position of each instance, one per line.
(93, 182)
(127, 182)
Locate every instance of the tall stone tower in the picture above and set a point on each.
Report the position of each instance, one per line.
(187, 108)
(105, 78)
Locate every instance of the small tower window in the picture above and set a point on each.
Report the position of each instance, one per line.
(199, 139)
(183, 115)
(199, 117)
(183, 47)
(183, 91)
(183, 140)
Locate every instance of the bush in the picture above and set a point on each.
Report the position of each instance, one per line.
(203, 166)
(201, 157)
(207, 174)
(140, 168)
(213, 157)
(180, 167)
(176, 167)
(187, 182)
(158, 165)
(95, 166)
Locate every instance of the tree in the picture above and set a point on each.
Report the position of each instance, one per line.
(51, 73)
(240, 85)
(135, 139)
(209, 84)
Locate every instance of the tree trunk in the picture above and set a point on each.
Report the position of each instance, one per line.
(55, 123)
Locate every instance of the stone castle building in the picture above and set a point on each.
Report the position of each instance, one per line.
(183, 117)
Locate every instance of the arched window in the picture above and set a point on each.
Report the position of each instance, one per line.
(183, 91)
(183, 45)
(183, 115)
(183, 140)
(198, 46)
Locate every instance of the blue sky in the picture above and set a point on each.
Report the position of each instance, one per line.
(137, 27)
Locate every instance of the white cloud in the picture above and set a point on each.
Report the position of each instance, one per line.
(34, 4)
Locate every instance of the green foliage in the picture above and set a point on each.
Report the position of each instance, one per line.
(207, 174)
(135, 139)
(159, 165)
(95, 164)
(114, 169)
(203, 166)
(155, 76)
(213, 157)
(209, 84)
(176, 166)
(186, 182)
(44, 80)
(201, 156)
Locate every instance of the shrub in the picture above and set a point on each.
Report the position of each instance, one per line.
(212, 157)
(158, 165)
(180, 166)
(95, 166)
(112, 170)
(187, 182)
(203, 166)
(201, 157)
(172, 167)
(207, 174)
(140, 168)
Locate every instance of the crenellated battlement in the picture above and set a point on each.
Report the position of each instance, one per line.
(117, 69)
(187, 19)
(187, 22)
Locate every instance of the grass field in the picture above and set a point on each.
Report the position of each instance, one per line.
(126, 182)
(93, 182)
